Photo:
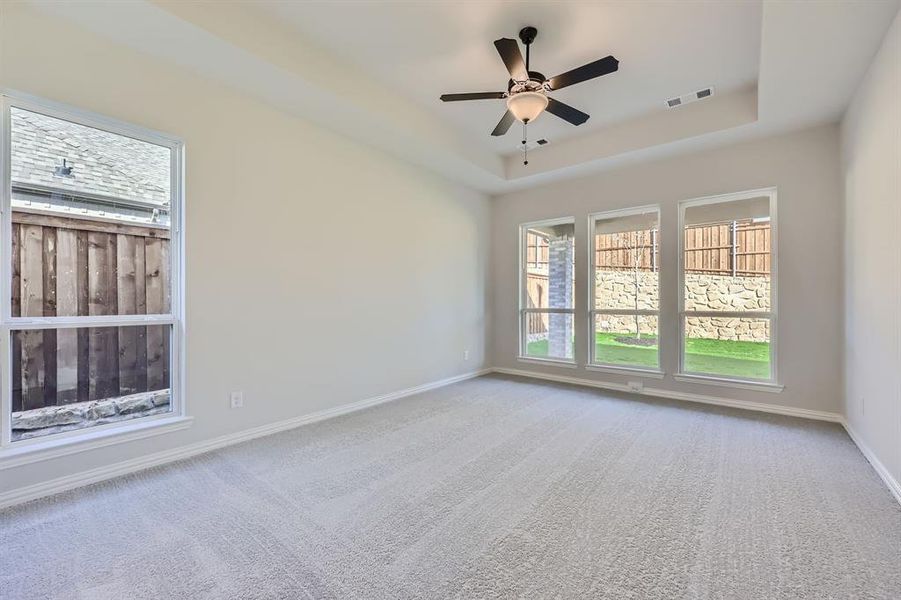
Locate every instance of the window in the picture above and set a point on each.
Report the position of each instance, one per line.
(91, 279)
(547, 288)
(624, 289)
(728, 281)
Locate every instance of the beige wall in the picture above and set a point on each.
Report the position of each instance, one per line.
(289, 230)
(803, 166)
(871, 164)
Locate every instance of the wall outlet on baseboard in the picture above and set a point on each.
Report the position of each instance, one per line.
(635, 386)
(466, 355)
(236, 399)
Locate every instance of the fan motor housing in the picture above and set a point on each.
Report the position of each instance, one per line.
(536, 80)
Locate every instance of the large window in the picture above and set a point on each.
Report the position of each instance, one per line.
(90, 310)
(728, 279)
(625, 301)
(547, 288)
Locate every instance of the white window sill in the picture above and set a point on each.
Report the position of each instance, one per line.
(30, 451)
(547, 361)
(636, 371)
(742, 384)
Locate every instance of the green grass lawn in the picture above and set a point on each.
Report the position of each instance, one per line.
(539, 349)
(748, 360)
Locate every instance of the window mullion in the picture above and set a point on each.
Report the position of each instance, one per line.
(21, 323)
(617, 311)
(738, 314)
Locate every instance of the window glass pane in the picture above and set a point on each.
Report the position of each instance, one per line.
(727, 256)
(68, 379)
(550, 256)
(728, 347)
(90, 232)
(626, 262)
(549, 335)
(626, 340)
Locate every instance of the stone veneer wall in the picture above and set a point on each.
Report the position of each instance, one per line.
(705, 292)
(78, 415)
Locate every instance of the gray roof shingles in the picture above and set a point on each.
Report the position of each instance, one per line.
(103, 163)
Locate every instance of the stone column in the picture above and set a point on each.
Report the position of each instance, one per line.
(560, 293)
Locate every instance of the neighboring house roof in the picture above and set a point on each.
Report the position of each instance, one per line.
(103, 164)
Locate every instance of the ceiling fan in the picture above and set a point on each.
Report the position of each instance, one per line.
(527, 91)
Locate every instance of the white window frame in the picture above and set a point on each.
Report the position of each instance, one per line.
(522, 305)
(15, 453)
(592, 297)
(772, 384)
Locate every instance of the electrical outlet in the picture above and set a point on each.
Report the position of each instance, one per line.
(863, 405)
(466, 355)
(236, 399)
(635, 386)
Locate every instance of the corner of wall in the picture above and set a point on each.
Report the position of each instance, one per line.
(870, 152)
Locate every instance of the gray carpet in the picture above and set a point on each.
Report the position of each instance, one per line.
(491, 488)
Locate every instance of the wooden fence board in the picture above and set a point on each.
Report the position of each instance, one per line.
(141, 309)
(67, 305)
(32, 305)
(127, 300)
(103, 300)
(156, 351)
(68, 222)
(48, 268)
(165, 287)
(83, 301)
(16, 312)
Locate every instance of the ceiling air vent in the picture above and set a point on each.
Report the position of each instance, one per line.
(689, 98)
(531, 145)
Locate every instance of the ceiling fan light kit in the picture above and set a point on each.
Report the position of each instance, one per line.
(527, 91)
(527, 106)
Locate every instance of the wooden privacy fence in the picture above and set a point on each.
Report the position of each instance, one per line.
(620, 251)
(536, 292)
(734, 248)
(75, 267)
(536, 251)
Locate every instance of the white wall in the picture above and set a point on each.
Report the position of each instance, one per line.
(804, 166)
(871, 165)
(319, 272)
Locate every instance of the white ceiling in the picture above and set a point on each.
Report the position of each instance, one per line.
(373, 70)
(422, 50)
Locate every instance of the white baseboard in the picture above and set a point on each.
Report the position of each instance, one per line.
(118, 469)
(791, 411)
(893, 485)
(76, 480)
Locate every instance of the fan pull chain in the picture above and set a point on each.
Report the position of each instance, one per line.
(525, 147)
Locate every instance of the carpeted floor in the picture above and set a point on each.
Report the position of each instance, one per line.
(491, 488)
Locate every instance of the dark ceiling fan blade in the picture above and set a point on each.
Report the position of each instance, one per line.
(512, 57)
(597, 68)
(566, 112)
(504, 124)
(473, 96)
